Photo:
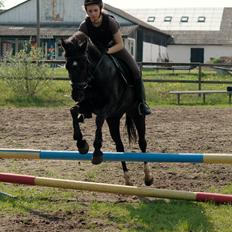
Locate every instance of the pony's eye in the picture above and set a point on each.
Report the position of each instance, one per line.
(74, 63)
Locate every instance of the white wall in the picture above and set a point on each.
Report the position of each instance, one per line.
(182, 53)
(179, 54)
(154, 52)
(217, 51)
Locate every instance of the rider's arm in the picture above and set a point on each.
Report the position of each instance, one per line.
(118, 43)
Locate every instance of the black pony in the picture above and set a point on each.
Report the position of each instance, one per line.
(98, 87)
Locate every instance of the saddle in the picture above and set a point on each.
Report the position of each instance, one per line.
(123, 69)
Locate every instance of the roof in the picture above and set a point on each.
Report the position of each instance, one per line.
(181, 18)
(223, 36)
(133, 19)
(31, 31)
(51, 31)
(216, 31)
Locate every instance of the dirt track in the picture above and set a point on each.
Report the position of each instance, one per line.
(168, 130)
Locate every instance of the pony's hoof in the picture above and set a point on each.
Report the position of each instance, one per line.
(83, 147)
(97, 159)
(149, 182)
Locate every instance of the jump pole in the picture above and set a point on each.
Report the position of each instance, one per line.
(116, 189)
(118, 156)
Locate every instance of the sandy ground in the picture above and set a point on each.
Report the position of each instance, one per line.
(176, 129)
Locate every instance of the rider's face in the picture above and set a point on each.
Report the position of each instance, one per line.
(94, 12)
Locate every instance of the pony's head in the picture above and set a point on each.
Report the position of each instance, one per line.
(77, 63)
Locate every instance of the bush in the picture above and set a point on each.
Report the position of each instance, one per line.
(25, 73)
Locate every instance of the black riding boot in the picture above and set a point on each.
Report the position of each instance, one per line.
(140, 93)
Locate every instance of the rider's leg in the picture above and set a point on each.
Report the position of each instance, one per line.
(138, 82)
(140, 93)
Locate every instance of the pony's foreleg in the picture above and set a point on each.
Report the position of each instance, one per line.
(82, 145)
(97, 154)
(114, 125)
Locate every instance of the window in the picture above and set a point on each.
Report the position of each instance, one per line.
(130, 45)
(201, 19)
(151, 19)
(184, 19)
(167, 18)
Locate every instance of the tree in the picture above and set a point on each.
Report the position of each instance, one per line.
(25, 72)
(1, 3)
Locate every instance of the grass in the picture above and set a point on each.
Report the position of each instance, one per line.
(158, 93)
(161, 216)
(57, 93)
(146, 215)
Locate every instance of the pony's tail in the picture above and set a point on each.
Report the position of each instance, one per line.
(131, 130)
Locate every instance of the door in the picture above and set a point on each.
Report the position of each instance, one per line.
(197, 55)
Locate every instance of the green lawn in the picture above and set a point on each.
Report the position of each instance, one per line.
(145, 215)
(57, 93)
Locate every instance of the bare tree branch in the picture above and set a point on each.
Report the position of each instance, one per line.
(1, 3)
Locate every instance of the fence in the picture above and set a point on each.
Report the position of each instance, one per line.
(171, 67)
(226, 68)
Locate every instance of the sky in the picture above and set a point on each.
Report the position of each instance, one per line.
(127, 4)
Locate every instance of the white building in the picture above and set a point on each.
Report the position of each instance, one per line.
(199, 34)
(61, 18)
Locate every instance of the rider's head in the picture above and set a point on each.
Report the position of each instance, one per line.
(92, 2)
(88, 3)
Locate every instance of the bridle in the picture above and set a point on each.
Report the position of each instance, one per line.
(91, 69)
(79, 85)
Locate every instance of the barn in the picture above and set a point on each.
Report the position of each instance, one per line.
(199, 34)
(61, 18)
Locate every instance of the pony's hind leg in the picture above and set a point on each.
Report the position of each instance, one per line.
(140, 126)
(82, 145)
(114, 125)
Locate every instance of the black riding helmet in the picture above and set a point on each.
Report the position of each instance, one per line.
(91, 2)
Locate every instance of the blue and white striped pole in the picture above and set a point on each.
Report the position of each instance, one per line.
(118, 156)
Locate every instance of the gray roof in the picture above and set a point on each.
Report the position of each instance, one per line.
(221, 37)
(31, 31)
(26, 31)
(216, 30)
(133, 19)
(180, 19)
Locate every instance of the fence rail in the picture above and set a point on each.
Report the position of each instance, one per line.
(169, 66)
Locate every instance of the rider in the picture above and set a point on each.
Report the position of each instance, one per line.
(103, 30)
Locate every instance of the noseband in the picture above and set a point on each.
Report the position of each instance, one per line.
(82, 85)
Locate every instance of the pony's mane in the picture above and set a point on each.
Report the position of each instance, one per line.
(79, 38)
